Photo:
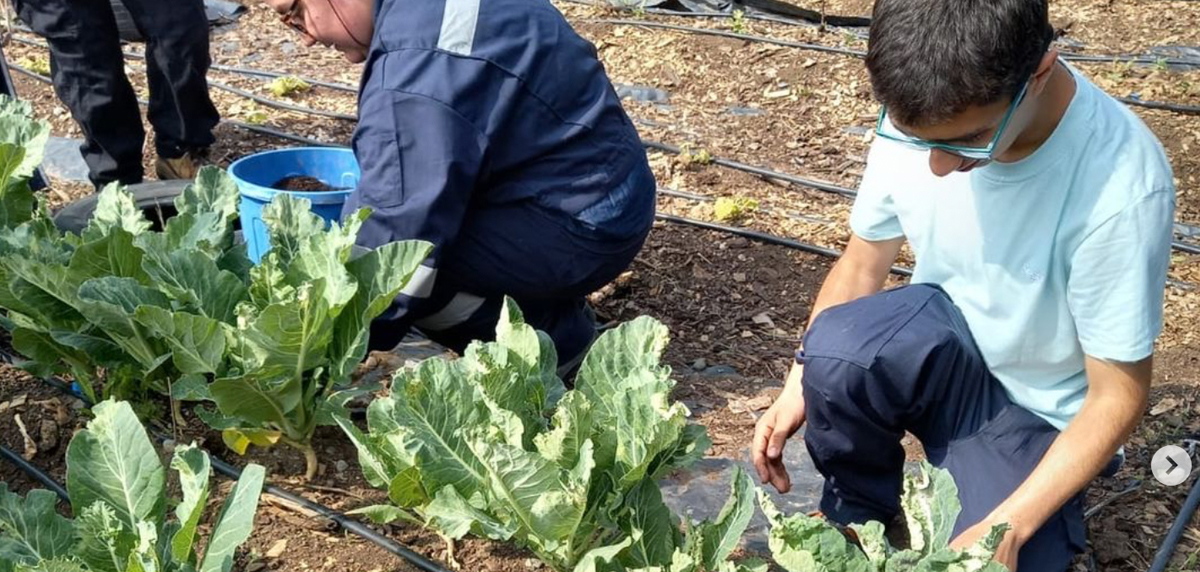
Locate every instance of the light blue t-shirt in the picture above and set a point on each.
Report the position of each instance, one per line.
(1060, 255)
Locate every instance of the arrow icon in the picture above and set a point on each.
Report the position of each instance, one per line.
(1171, 465)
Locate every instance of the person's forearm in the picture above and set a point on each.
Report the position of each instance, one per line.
(1109, 415)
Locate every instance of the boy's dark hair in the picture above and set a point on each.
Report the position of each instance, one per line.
(931, 59)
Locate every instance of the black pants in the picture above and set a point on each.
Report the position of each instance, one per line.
(89, 77)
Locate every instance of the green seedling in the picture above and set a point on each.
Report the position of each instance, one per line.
(729, 209)
(698, 157)
(738, 24)
(288, 85)
(36, 64)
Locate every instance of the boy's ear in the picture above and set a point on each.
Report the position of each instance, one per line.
(1044, 70)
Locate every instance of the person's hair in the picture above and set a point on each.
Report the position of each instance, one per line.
(930, 60)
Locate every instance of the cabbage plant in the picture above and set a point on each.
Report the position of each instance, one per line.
(493, 445)
(117, 487)
(126, 310)
(802, 543)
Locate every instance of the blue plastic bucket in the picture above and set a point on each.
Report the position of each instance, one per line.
(256, 173)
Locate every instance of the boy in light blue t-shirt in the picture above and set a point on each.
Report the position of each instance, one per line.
(1039, 210)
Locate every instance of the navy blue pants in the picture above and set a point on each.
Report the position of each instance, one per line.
(904, 360)
(546, 260)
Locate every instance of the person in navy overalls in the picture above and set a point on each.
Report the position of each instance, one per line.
(489, 128)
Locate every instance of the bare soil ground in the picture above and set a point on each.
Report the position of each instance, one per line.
(735, 307)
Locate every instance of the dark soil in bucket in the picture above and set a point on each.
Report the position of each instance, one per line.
(304, 184)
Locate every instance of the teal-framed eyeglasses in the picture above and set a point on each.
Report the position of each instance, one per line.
(884, 128)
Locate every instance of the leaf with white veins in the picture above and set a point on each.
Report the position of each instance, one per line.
(113, 461)
(30, 529)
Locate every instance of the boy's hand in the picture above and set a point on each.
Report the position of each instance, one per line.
(1006, 553)
(779, 423)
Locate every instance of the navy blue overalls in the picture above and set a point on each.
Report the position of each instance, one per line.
(489, 128)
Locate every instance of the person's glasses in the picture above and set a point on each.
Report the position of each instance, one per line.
(884, 128)
(293, 19)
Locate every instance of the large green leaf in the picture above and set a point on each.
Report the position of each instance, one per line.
(235, 522)
(290, 223)
(104, 542)
(261, 402)
(721, 536)
(802, 543)
(372, 459)
(629, 391)
(617, 355)
(16, 198)
(111, 303)
(931, 506)
(212, 191)
(205, 232)
(435, 406)
(45, 354)
(542, 500)
(31, 530)
(114, 254)
(192, 465)
(113, 461)
(517, 371)
(42, 289)
(872, 537)
(292, 338)
(645, 426)
(197, 343)
(115, 209)
(20, 129)
(650, 526)
(602, 559)
(193, 279)
(572, 425)
(323, 257)
(380, 274)
(455, 516)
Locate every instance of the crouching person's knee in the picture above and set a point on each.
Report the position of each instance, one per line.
(872, 350)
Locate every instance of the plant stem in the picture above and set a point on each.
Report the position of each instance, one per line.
(310, 462)
(450, 559)
(177, 413)
(310, 456)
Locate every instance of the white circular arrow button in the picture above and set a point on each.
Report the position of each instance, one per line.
(1171, 465)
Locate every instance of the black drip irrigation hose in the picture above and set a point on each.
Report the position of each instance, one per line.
(272, 132)
(1167, 549)
(765, 238)
(282, 105)
(345, 522)
(760, 171)
(1172, 107)
(272, 74)
(1159, 105)
(349, 524)
(220, 67)
(854, 24)
(259, 129)
(34, 472)
(733, 35)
